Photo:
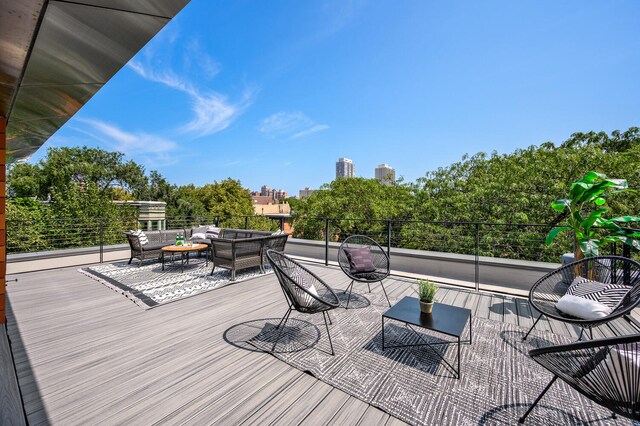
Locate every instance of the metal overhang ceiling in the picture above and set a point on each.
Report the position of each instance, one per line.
(56, 54)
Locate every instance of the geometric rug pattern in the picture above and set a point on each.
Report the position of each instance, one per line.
(149, 286)
(499, 381)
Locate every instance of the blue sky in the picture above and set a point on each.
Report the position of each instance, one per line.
(274, 92)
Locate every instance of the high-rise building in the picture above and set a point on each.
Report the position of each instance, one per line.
(386, 174)
(345, 168)
(304, 193)
(265, 191)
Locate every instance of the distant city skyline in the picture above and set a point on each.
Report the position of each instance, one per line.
(277, 91)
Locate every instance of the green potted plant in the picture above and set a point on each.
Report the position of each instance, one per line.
(427, 295)
(584, 215)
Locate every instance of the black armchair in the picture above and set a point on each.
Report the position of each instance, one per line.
(605, 269)
(379, 258)
(606, 371)
(304, 291)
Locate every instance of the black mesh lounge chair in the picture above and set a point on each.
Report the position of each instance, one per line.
(606, 269)
(379, 259)
(304, 291)
(606, 371)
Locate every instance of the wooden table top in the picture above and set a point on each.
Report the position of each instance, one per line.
(183, 248)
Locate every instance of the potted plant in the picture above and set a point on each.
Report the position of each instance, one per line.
(584, 213)
(427, 295)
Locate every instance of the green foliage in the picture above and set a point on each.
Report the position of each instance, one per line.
(352, 199)
(226, 198)
(585, 214)
(496, 190)
(63, 167)
(426, 291)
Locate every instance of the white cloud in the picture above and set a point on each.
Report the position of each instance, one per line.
(153, 150)
(314, 129)
(289, 124)
(213, 111)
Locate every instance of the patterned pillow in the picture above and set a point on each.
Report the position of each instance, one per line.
(212, 232)
(360, 260)
(142, 237)
(590, 300)
(609, 295)
(305, 299)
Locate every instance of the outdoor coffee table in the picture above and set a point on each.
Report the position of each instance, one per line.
(183, 250)
(445, 319)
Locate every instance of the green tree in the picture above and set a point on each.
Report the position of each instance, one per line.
(361, 204)
(226, 198)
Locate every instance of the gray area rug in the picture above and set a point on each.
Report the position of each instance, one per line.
(149, 286)
(499, 380)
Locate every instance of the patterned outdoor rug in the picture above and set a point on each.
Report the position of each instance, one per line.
(499, 381)
(149, 286)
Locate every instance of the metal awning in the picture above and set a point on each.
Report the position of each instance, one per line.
(56, 54)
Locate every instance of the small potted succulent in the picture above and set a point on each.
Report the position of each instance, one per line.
(427, 294)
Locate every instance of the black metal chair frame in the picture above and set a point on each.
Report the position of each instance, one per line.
(380, 262)
(293, 289)
(581, 365)
(546, 292)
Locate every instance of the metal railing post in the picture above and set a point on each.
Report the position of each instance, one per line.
(389, 239)
(246, 222)
(282, 223)
(477, 260)
(101, 240)
(326, 242)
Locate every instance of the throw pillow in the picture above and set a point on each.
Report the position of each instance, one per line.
(142, 237)
(198, 236)
(360, 260)
(213, 232)
(590, 300)
(305, 299)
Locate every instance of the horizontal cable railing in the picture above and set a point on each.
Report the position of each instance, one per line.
(476, 239)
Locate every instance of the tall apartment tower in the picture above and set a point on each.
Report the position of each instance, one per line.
(345, 168)
(386, 174)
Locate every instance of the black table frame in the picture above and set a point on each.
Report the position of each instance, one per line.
(182, 253)
(424, 322)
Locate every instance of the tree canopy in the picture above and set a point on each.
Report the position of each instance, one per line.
(501, 189)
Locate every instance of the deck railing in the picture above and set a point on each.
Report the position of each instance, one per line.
(477, 239)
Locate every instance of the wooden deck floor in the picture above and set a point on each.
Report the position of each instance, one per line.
(87, 355)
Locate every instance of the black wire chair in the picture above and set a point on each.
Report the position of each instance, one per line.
(304, 291)
(606, 269)
(378, 257)
(606, 371)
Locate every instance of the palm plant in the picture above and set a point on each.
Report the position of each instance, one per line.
(584, 213)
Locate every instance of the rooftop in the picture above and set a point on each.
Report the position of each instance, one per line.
(86, 354)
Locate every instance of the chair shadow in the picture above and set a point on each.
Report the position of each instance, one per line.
(542, 414)
(261, 335)
(357, 301)
(514, 339)
(422, 357)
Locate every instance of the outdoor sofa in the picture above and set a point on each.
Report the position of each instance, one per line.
(233, 249)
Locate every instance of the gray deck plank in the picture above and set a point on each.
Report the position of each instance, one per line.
(496, 309)
(11, 412)
(333, 403)
(373, 417)
(351, 412)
